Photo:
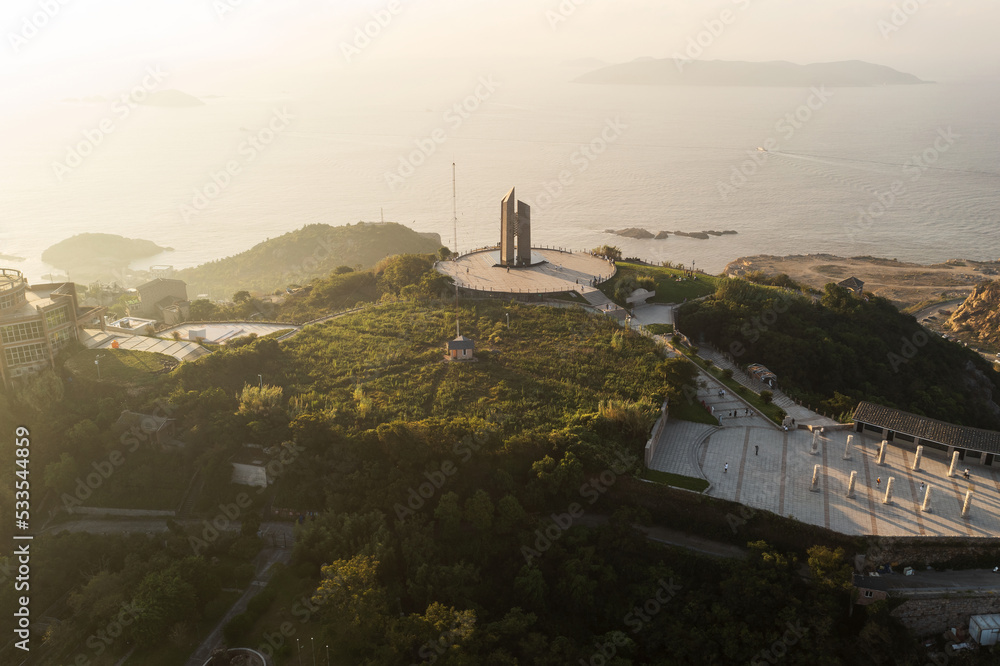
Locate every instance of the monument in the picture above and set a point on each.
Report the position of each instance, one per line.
(515, 232)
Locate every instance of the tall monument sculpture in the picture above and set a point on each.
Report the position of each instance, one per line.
(515, 231)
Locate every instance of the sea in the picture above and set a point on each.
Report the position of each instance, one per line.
(907, 172)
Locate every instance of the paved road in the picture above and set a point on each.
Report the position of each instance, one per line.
(265, 561)
(934, 583)
(673, 537)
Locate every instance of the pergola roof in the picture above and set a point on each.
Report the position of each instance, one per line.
(948, 434)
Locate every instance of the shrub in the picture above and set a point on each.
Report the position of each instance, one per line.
(767, 397)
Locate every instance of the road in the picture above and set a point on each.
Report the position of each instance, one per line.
(265, 561)
(935, 583)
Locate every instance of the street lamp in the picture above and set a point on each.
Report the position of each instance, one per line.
(97, 362)
(299, 646)
(508, 319)
(261, 378)
(312, 642)
(327, 655)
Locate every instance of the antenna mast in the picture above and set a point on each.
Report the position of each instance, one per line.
(454, 203)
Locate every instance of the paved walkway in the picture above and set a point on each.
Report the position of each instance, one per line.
(562, 271)
(772, 470)
(798, 412)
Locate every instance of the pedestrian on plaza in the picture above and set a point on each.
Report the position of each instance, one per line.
(746, 412)
(966, 473)
(726, 468)
(878, 482)
(756, 449)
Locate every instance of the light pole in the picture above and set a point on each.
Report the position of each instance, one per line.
(97, 362)
(261, 378)
(312, 642)
(299, 646)
(327, 655)
(508, 319)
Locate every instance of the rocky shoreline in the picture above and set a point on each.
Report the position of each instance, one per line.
(643, 234)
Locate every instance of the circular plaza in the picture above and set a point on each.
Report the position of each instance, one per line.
(551, 271)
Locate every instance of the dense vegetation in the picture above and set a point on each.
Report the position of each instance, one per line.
(298, 256)
(840, 349)
(459, 513)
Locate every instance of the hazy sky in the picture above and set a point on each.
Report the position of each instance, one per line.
(90, 40)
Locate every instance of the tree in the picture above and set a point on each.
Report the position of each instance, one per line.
(59, 476)
(767, 397)
(609, 251)
(681, 376)
(479, 511)
(242, 296)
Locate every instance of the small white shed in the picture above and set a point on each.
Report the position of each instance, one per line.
(985, 629)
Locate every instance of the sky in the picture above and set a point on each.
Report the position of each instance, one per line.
(51, 46)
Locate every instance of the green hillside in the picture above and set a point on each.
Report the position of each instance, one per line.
(300, 255)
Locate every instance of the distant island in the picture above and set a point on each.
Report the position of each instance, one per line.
(95, 255)
(171, 98)
(644, 234)
(668, 71)
(298, 256)
(10, 257)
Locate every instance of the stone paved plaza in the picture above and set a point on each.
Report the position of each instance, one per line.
(778, 477)
(561, 271)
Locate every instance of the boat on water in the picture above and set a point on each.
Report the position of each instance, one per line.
(762, 149)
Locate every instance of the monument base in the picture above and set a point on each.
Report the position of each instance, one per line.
(536, 259)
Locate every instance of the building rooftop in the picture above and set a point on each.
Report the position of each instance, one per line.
(461, 342)
(949, 434)
(852, 283)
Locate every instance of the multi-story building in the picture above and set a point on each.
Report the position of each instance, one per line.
(162, 299)
(35, 323)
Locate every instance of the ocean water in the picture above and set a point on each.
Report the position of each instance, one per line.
(910, 172)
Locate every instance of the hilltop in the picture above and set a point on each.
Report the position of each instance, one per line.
(671, 71)
(90, 255)
(298, 256)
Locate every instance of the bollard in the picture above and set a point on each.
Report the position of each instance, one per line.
(850, 485)
(815, 480)
(954, 463)
(967, 504)
(880, 460)
(888, 491)
(926, 506)
(847, 447)
(916, 458)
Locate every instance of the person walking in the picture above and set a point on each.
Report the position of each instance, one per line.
(756, 449)
(726, 468)
(878, 482)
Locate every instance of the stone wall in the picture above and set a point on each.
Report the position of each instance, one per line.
(928, 616)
